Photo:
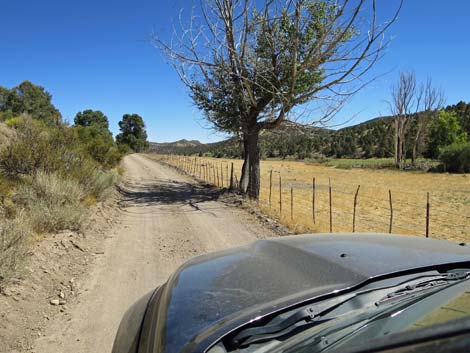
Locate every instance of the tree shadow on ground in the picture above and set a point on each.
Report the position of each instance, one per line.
(166, 193)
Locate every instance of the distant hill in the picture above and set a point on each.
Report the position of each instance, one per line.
(173, 147)
(372, 138)
(297, 141)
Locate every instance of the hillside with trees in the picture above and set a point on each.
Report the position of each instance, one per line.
(370, 139)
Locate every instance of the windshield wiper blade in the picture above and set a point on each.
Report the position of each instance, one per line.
(278, 327)
(318, 313)
(423, 286)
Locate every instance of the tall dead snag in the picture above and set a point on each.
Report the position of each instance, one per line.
(433, 100)
(248, 64)
(404, 104)
(412, 103)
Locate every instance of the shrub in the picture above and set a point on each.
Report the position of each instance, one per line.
(98, 142)
(38, 147)
(456, 157)
(124, 148)
(52, 202)
(13, 237)
(102, 182)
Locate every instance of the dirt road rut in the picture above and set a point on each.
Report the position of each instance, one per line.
(166, 219)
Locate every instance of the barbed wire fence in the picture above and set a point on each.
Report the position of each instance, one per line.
(322, 206)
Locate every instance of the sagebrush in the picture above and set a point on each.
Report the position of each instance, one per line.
(14, 235)
(52, 202)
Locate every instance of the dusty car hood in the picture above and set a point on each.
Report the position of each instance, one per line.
(215, 293)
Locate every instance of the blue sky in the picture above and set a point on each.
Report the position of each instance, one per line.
(96, 54)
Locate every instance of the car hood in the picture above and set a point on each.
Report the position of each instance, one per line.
(213, 294)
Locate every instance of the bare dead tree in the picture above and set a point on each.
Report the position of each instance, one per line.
(406, 99)
(433, 100)
(412, 103)
(247, 65)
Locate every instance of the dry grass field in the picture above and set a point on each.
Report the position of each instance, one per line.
(449, 216)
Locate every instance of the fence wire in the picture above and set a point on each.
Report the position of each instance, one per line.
(372, 210)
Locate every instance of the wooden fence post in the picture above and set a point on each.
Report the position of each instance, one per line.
(213, 172)
(280, 196)
(218, 180)
(226, 172)
(331, 206)
(313, 199)
(355, 204)
(270, 186)
(222, 174)
(427, 216)
(231, 178)
(291, 203)
(391, 211)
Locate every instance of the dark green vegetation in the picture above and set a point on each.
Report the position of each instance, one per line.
(133, 132)
(92, 130)
(371, 139)
(28, 98)
(51, 172)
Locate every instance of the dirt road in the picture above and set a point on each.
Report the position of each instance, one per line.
(166, 218)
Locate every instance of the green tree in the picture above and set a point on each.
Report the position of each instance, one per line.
(133, 132)
(96, 139)
(5, 112)
(463, 112)
(31, 99)
(4, 94)
(444, 131)
(251, 63)
(91, 117)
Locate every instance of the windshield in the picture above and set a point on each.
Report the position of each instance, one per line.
(372, 312)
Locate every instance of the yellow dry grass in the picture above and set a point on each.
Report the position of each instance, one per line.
(449, 197)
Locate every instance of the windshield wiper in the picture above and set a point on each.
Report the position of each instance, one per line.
(422, 285)
(318, 313)
(283, 325)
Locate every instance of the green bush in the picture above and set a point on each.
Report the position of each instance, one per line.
(124, 148)
(456, 158)
(13, 237)
(98, 142)
(52, 202)
(38, 147)
(102, 182)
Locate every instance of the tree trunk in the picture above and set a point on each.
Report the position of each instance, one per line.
(397, 144)
(245, 178)
(402, 151)
(254, 168)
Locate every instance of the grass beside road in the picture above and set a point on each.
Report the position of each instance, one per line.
(449, 198)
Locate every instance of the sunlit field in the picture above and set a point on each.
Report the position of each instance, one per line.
(449, 196)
